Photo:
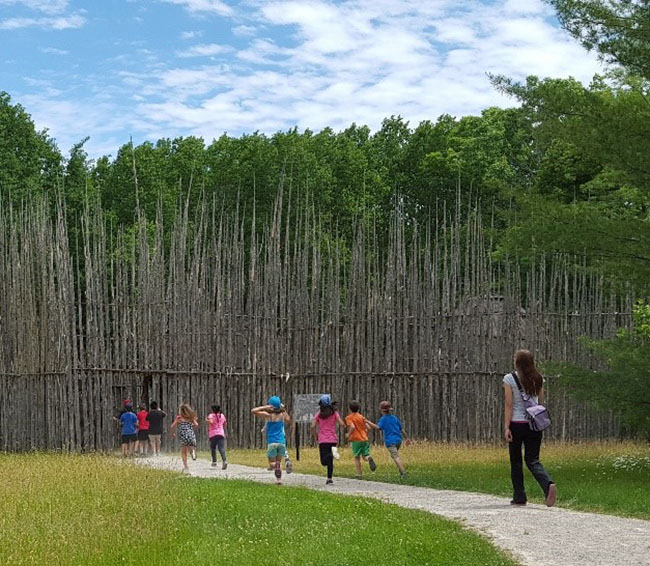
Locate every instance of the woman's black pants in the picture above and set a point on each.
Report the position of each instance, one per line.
(532, 441)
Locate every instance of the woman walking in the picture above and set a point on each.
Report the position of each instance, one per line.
(518, 431)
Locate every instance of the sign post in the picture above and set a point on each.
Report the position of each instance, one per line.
(305, 406)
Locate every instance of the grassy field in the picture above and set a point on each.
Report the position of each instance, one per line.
(57, 509)
(606, 478)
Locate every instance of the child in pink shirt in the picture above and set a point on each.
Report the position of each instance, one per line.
(325, 421)
(217, 433)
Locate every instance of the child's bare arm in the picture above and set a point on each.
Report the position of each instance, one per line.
(313, 429)
(351, 429)
(340, 421)
(174, 424)
(262, 411)
(371, 424)
(287, 418)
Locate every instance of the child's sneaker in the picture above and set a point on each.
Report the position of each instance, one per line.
(278, 471)
(224, 465)
(288, 466)
(335, 452)
(193, 454)
(372, 464)
(214, 464)
(403, 474)
(329, 481)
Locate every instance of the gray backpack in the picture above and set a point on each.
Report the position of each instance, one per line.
(538, 417)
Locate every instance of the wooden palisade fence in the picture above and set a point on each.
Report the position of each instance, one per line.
(212, 310)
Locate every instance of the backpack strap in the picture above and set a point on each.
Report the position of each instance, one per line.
(514, 375)
(524, 394)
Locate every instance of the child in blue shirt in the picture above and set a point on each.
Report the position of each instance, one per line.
(129, 424)
(394, 433)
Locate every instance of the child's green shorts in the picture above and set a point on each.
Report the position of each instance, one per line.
(361, 448)
(275, 449)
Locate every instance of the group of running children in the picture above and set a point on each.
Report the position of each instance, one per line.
(324, 430)
(143, 429)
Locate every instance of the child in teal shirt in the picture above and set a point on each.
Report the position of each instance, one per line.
(276, 445)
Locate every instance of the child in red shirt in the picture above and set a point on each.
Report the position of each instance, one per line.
(142, 444)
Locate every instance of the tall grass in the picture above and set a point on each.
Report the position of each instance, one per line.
(91, 510)
(601, 477)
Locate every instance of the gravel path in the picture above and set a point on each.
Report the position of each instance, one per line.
(535, 535)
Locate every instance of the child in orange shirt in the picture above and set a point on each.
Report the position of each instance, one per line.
(357, 434)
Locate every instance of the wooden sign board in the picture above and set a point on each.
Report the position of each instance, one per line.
(305, 406)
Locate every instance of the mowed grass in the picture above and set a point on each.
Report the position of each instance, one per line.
(609, 478)
(61, 509)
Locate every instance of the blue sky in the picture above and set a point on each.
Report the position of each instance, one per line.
(111, 69)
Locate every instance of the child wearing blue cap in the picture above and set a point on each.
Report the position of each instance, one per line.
(276, 445)
(325, 422)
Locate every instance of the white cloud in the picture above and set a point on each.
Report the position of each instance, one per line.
(190, 35)
(316, 64)
(54, 51)
(203, 6)
(363, 60)
(45, 87)
(56, 22)
(51, 14)
(45, 6)
(244, 30)
(69, 121)
(526, 7)
(205, 50)
(263, 52)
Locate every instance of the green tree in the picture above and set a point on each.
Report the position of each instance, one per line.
(29, 160)
(624, 386)
(77, 185)
(619, 30)
(486, 158)
(590, 195)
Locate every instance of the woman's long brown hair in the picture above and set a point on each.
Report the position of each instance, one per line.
(531, 380)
